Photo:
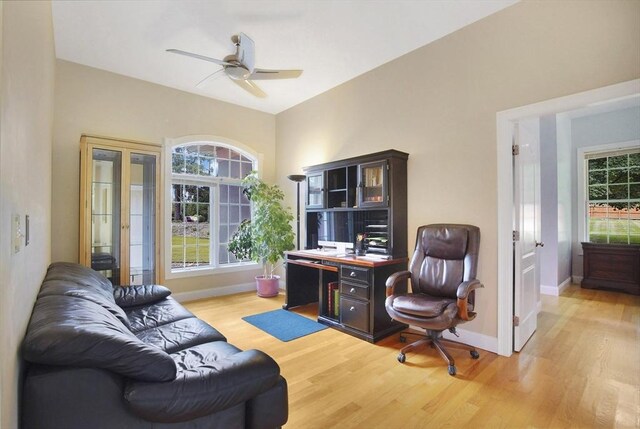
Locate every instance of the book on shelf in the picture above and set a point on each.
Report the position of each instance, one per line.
(332, 298)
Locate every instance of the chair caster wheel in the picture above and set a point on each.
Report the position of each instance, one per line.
(474, 354)
(401, 358)
(452, 370)
(403, 339)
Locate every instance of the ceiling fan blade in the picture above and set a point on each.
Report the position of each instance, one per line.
(208, 78)
(251, 87)
(200, 57)
(264, 74)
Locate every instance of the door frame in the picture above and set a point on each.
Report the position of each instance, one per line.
(504, 130)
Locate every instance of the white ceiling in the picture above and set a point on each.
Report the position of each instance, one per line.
(333, 41)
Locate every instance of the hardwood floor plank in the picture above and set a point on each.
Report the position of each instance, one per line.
(581, 369)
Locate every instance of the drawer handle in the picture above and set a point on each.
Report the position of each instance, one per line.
(352, 308)
(353, 274)
(353, 290)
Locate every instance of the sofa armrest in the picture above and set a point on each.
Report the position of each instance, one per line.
(203, 387)
(131, 296)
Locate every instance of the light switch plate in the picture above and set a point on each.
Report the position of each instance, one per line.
(16, 233)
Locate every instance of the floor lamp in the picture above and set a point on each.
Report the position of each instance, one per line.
(297, 178)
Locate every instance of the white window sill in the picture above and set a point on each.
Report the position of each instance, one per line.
(208, 271)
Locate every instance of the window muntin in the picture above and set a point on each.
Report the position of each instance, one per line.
(613, 197)
(207, 203)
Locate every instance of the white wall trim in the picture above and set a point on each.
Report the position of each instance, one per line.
(549, 290)
(481, 341)
(555, 290)
(576, 280)
(504, 131)
(219, 291)
(564, 285)
(215, 291)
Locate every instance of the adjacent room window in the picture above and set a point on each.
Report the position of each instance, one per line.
(207, 203)
(613, 196)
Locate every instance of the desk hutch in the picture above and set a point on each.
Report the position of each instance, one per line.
(365, 196)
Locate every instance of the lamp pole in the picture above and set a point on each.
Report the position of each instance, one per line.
(297, 178)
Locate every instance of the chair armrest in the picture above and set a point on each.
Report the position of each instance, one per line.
(394, 279)
(463, 292)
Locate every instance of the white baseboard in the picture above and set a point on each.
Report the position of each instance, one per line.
(555, 290)
(576, 280)
(219, 291)
(474, 339)
(549, 290)
(565, 284)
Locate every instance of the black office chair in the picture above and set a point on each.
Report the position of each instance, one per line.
(442, 272)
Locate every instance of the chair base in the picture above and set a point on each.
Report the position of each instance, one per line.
(435, 340)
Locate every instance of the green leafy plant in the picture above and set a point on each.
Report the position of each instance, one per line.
(269, 235)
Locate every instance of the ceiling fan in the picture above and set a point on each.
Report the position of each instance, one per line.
(240, 66)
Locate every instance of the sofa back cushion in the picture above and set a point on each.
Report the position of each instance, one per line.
(65, 278)
(73, 331)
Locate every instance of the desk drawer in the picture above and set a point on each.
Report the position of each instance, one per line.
(354, 313)
(352, 273)
(356, 290)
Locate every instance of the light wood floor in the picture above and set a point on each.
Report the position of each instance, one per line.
(581, 369)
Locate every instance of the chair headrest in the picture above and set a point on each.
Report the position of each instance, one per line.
(445, 242)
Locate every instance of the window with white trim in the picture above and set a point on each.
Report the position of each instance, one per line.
(207, 203)
(613, 196)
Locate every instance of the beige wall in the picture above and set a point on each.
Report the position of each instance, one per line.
(92, 101)
(26, 117)
(439, 104)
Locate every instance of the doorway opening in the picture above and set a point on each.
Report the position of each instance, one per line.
(505, 122)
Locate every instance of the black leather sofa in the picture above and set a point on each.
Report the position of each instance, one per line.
(100, 356)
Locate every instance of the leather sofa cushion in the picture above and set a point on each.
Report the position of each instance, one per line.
(72, 331)
(130, 296)
(80, 275)
(100, 297)
(211, 377)
(179, 335)
(421, 305)
(154, 315)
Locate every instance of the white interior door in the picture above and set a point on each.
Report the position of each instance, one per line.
(526, 168)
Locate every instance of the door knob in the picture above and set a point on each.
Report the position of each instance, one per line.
(353, 274)
(539, 244)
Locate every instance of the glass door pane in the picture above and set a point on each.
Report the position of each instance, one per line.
(372, 180)
(142, 219)
(315, 190)
(105, 213)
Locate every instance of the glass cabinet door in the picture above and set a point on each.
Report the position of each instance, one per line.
(119, 210)
(142, 219)
(106, 171)
(373, 184)
(315, 190)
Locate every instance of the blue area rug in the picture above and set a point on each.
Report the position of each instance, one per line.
(284, 325)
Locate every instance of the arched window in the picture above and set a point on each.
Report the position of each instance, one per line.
(207, 203)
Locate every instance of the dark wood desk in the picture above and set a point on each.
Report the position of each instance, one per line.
(357, 307)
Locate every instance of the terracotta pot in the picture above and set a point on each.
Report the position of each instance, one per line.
(267, 287)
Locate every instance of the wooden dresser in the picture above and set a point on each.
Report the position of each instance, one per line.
(611, 266)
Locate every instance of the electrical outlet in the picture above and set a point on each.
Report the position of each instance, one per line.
(16, 233)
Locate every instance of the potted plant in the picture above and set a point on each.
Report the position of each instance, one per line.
(267, 236)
